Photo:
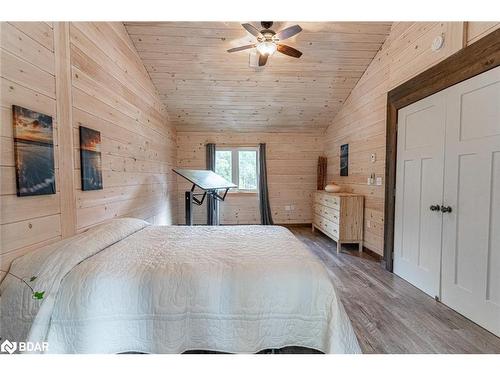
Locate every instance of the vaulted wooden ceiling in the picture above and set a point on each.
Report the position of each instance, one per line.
(207, 89)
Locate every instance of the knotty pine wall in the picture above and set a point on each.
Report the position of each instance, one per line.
(476, 30)
(291, 164)
(362, 120)
(89, 74)
(27, 79)
(83, 74)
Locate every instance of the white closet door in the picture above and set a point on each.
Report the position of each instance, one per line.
(419, 184)
(471, 231)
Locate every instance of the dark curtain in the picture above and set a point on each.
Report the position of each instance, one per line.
(212, 203)
(321, 181)
(265, 208)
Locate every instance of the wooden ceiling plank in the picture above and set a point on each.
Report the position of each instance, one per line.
(206, 89)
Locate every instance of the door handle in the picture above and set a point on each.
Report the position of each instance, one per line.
(435, 207)
(445, 209)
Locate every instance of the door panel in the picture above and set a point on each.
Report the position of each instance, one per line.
(471, 232)
(493, 279)
(469, 216)
(479, 111)
(419, 184)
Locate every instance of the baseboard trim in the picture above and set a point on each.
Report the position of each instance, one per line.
(373, 254)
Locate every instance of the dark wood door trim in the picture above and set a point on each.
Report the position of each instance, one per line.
(470, 61)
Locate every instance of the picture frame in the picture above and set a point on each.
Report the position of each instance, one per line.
(33, 152)
(90, 159)
(344, 160)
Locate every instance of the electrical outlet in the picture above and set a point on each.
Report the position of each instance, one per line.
(369, 181)
(379, 181)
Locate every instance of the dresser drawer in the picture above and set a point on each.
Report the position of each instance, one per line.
(327, 212)
(331, 201)
(326, 225)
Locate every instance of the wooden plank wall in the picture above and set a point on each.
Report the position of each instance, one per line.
(362, 120)
(113, 93)
(89, 74)
(476, 30)
(291, 162)
(27, 79)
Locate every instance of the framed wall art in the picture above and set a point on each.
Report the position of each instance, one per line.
(34, 152)
(344, 160)
(90, 159)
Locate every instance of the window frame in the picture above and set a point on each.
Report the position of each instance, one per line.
(235, 166)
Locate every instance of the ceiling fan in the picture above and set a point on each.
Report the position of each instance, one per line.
(268, 41)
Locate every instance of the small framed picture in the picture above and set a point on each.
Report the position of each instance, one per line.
(34, 152)
(344, 160)
(90, 159)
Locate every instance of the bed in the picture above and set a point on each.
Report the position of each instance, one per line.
(127, 286)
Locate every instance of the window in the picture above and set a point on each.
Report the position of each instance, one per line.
(239, 165)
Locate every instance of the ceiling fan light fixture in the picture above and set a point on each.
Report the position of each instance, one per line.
(268, 42)
(266, 48)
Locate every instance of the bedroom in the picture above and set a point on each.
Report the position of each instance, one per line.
(307, 127)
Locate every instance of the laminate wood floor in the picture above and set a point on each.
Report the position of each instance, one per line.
(388, 314)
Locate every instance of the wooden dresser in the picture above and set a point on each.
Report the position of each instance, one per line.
(339, 216)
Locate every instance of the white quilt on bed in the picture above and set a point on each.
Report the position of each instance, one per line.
(127, 286)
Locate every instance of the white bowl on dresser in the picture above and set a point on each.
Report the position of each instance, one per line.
(333, 188)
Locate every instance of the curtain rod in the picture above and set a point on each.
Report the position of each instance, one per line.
(237, 144)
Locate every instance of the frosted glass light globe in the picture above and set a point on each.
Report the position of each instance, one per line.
(266, 48)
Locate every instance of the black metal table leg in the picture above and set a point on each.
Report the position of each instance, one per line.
(188, 198)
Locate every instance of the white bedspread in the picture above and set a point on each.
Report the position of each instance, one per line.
(127, 286)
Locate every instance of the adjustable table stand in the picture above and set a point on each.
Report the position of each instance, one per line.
(207, 181)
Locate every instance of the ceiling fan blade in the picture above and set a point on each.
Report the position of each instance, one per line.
(289, 51)
(263, 59)
(289, 32)
(251, 29)
(241, 48)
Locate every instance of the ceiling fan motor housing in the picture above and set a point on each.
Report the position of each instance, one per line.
(266, 24)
